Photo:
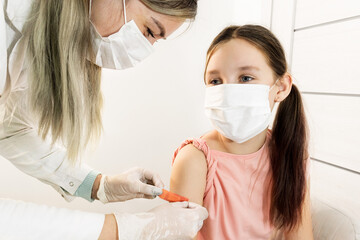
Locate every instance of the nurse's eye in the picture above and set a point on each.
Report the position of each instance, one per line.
(150, 33)
(215, 82)
(245, 79)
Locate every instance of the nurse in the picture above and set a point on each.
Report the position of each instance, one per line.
(51, 55)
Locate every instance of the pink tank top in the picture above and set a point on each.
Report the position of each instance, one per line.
(237, 194)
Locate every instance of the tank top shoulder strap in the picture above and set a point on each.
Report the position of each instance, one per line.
(201, 144)
(196, 142)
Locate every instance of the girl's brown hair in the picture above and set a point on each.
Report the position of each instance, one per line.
(288, 144)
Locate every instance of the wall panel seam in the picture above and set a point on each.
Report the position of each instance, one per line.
(335, 165)
(331, 94)
(327, 23)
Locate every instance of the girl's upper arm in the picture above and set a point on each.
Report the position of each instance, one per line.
(188, 175)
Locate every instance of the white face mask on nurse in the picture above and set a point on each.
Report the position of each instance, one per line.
(123, 32)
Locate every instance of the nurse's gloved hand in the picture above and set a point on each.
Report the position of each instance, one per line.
(134, 183)
(181, 220)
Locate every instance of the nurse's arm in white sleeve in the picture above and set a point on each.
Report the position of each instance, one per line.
(20, 220)
(23, 147)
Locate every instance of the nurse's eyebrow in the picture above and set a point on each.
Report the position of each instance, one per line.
(160, 26)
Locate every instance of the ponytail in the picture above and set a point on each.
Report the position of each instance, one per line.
(288, 152)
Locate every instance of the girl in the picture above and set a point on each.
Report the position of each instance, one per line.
(252, 180)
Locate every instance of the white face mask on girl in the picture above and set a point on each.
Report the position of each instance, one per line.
(238, 111)
(121, 50)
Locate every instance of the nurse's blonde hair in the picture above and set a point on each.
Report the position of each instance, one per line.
(64, 87)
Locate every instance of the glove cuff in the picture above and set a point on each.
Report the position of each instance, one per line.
(101, 191)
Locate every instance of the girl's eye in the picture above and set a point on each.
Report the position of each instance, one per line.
(246, 79)
(215, 82)
(150, 33)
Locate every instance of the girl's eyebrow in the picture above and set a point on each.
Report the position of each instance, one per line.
(253, 68)
(243, 68)
(212, 72)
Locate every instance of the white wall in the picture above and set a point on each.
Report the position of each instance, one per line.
(149, 110)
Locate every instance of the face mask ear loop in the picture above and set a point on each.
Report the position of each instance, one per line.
(124, 11)
(90, 4)
(273, 85)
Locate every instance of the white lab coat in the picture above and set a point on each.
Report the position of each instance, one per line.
(19, 141)
(28, 221)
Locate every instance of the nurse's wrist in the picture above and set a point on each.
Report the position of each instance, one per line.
(95, 187)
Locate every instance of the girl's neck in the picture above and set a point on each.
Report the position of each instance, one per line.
(248, 147)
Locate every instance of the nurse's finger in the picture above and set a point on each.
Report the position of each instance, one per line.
(141, 195)
(180, 204)
(203, 213)
(148, 189)
(155, 178)
(149, 196)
